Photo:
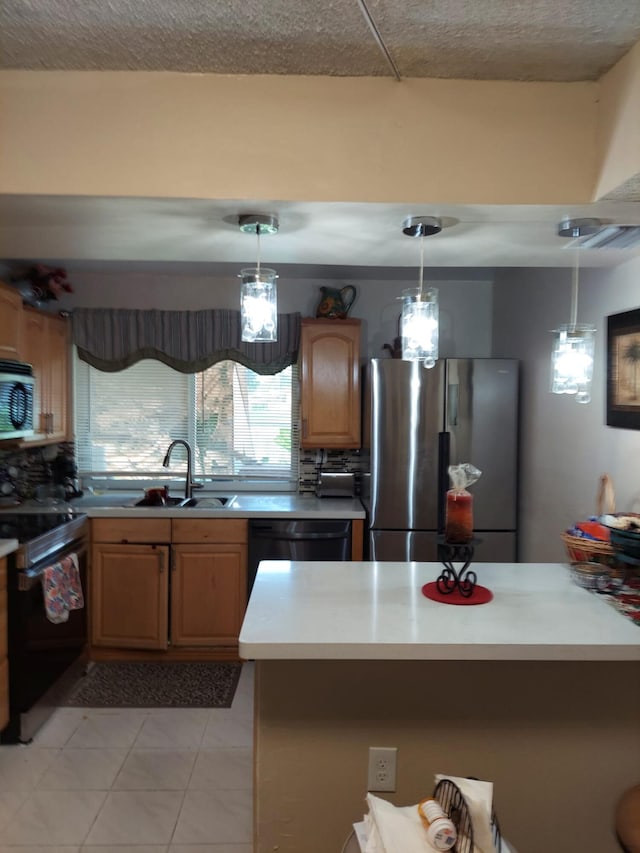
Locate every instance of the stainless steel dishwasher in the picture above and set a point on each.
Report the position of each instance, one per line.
(297, 539)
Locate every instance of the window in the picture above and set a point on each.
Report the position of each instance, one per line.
(242, 426)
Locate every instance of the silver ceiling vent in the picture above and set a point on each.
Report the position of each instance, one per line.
(611, 237)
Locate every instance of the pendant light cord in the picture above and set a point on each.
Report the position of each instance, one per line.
(421, 265)
(258, 264)
(574, 293)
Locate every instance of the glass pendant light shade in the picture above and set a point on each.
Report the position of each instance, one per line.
(258, 296)
(574, 343)
(259, 305)
(419, 325)
(419, 317)
(572, 361)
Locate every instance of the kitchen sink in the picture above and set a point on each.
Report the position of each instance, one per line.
(213, 502)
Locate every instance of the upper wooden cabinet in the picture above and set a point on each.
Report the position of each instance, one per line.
(330, 383)
(45, 345)
(10, 323)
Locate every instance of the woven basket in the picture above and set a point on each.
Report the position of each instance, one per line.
(590, 550)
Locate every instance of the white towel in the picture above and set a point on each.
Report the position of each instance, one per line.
(394, 829)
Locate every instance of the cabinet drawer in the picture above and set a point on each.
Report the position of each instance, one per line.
(209, 530)
(151, 530)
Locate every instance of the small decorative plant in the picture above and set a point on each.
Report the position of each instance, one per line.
(46, 283)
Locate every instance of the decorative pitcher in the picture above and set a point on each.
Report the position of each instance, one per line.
(335, 303)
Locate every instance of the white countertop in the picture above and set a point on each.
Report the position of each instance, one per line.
(245, 505)
(376, 611)
(8, 546)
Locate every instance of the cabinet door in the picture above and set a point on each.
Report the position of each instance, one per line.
(208, 594)
(330, 383)
(45, 345)
(10, 325)
(58, 378)
(130, 596)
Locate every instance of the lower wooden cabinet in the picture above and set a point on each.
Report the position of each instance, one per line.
(208, 594)
(159, 584)
(129, 595)
(4, 663)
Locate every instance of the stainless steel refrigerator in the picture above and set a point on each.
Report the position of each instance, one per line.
(462, 410)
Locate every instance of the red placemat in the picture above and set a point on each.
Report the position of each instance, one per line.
(481, 595)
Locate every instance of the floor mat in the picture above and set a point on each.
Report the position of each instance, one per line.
(156, 685)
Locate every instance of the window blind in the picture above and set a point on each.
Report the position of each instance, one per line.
(242, 426)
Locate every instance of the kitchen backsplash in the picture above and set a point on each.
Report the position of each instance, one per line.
(340, 461)
(23, 470)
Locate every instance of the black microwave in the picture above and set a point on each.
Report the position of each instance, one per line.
(16, 399)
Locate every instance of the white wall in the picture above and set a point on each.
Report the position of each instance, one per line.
(564, 446)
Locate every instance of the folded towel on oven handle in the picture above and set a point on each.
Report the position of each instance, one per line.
(62, 589)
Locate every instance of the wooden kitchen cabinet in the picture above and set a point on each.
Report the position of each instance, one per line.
(129, 594)
(10, 323)
(330, 383)
(45, 345)
(4, 663)
(208, 581)
(145, 569)
(129, 582)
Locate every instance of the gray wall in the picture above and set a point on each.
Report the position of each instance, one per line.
(465, 299)
(564, 446)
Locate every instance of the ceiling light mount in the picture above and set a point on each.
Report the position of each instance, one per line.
(421, 226)
(258, 223)
(579, 227)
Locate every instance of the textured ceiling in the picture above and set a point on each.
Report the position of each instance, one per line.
(559, 40)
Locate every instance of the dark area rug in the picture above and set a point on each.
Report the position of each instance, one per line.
(157, 685)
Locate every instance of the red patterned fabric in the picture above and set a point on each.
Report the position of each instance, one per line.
(62, 589)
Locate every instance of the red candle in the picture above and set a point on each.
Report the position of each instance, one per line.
(459, 517)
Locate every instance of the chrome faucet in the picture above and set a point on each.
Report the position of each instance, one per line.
(189, 483)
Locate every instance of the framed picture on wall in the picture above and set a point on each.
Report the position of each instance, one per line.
(623, 369)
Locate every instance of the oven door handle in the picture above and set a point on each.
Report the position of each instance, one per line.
(28, 578)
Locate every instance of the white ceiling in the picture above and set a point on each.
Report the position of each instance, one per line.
(559, 40)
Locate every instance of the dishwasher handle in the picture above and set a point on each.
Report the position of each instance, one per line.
(268, 533)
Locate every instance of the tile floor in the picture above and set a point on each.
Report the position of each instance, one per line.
(123, 780)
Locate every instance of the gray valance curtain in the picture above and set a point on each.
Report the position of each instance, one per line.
(111, 339)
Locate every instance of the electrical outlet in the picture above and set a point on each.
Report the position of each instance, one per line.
(382, 768)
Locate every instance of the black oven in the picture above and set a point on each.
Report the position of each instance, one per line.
(45, 658)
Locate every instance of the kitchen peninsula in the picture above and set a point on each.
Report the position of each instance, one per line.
(538, 691)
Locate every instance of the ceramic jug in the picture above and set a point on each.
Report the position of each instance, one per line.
(335, 303)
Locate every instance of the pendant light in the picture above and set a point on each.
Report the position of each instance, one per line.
(419, 318)
(573, 350)
(258, 296)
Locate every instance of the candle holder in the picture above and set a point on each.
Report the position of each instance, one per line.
(457, 586)
(463, 580)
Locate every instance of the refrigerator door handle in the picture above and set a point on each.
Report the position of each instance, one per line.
(443, 477)
(453, 396)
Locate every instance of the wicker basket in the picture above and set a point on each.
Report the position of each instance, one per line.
(582, 550)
